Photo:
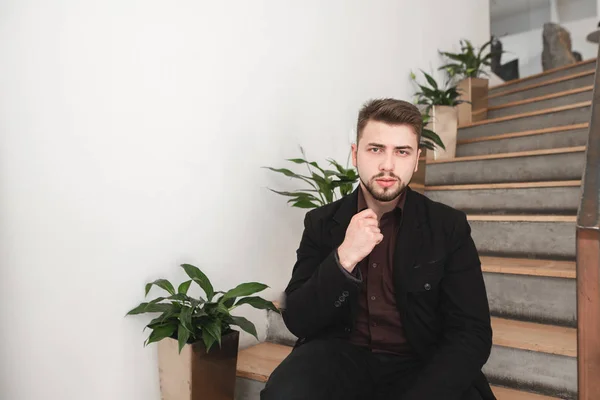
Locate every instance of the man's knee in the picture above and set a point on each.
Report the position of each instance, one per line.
(292, 387)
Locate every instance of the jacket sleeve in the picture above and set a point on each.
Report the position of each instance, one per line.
(320, 291)
(467, 331)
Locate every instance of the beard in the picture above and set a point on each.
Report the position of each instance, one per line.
(382, 194)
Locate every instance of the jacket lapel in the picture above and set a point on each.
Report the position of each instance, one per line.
(342, 217)
(409, 242)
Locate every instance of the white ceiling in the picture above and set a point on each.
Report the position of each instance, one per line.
(504, 8)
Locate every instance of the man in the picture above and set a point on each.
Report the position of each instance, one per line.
(387, 295)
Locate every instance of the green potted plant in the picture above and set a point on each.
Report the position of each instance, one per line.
(197, 348)
(468, 67)
(440, 114)
(324, 185)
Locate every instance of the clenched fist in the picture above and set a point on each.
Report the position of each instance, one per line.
(362, 236)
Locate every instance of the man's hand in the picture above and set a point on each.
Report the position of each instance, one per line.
(362, 236)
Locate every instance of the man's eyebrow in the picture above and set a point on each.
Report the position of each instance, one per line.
(379, 145)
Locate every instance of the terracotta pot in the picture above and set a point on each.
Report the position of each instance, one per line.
(444, 122)
(196, 375)
(475, 91)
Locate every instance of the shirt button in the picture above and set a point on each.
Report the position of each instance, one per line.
(342, 298)
(427, 286)
(373, 298)
(337, 304)
(345, 293)
(374, 265)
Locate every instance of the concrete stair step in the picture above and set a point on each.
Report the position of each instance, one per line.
(536, 165)
(555, 85)
(536, 357)
(256, 363)
(541, 291)
(529, 267)
(534, 139)
(542, 102)
(547, 118)
(583, 66)
(525, 236)
(521, 197)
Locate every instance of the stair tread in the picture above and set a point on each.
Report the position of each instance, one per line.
(535, 337)
(511, 135)
(521, 218)
(544, 83)
(510, 185)
(526, 266)
(569, 92)
(503, 393)
(259, 361)
(545, 73)
(527, 114)
(562, 150)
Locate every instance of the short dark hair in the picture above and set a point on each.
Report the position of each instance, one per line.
(390, 111)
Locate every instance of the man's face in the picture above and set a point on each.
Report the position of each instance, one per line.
(386, 158)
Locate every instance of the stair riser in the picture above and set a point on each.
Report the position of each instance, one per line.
(552, 167)
(550, 374)
(541, 105)
(571, 138)
(545, 78)
(525, 239)
(576, 83)
(564, 200)
(550, 120)
(248, 389)
(533, 298)
(277, 332)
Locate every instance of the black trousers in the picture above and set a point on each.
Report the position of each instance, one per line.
(334, 369)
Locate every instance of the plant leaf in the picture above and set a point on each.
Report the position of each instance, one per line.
(430, 80)
(244, 324)
(161, 332)
(183, 336)
(208, 340)
(201, 279)
(161, 283)
(245, 289)
(149, 308)
(184, 287)
(258, 302)
(185, 318)
(214, 329)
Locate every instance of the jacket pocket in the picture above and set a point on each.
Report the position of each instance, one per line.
(425, 277)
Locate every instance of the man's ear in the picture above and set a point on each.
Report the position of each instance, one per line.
(418, 157)
(354, 151)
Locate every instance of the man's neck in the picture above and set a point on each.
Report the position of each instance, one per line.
(379, 207)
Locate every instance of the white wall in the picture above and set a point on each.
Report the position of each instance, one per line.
(132, 138)
(528, 46)
(521, 33)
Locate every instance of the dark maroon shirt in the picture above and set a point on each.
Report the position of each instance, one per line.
(378, 325)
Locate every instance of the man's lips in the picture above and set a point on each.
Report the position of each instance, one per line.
(386, 182)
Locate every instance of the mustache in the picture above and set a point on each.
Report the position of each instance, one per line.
(384, 175)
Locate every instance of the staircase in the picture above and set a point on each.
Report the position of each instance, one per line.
(517, 175)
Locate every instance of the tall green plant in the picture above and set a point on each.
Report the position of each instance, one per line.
(433, 94)
(189, 320)
(430, 139)
(469, 63)
(324, 185)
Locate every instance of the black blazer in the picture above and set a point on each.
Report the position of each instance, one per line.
(439, 285)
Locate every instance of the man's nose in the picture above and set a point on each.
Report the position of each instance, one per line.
(387, 164)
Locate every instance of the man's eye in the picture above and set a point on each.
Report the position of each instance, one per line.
(375, 149)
